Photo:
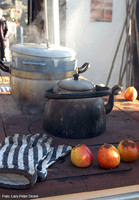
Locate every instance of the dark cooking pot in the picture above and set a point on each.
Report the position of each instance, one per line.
(37, 67)
(75, 109)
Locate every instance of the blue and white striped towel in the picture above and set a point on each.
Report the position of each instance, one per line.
(24, 159)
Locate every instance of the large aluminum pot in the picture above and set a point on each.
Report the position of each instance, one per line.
(36, 68)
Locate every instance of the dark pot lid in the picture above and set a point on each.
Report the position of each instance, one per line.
(41, 50)
(75, 84)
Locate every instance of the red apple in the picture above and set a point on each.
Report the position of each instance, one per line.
(81, 156)
(129, 150)
(108, 156)
(130, 93)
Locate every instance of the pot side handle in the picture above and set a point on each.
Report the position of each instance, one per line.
(4, 67)
(83, 68)
(33, 63)
(109, 105)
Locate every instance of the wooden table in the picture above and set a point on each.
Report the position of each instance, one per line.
(63, 177)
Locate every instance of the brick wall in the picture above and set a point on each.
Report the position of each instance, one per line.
(101, 10)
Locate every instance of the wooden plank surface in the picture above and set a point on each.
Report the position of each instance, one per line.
(129, 107)
(97, 194)
(63, 177)
(119, 126)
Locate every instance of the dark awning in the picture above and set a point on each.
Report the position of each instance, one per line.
(5, 4)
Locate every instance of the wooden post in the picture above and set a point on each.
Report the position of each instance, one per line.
(56, 22)
(46, 19)
(135, 50)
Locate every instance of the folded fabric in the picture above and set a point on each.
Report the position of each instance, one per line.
(24, 159)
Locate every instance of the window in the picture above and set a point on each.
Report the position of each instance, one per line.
(101, 10)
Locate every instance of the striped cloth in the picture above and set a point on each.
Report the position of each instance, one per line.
(4, 88)
(24, 159)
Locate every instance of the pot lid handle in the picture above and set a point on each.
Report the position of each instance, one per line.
(76, 76)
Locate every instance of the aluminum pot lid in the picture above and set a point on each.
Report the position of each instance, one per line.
(75, 84)
(41, 50)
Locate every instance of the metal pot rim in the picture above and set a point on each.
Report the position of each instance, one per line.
(99, 92)
(41, 50)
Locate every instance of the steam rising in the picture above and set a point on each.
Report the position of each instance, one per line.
(76, 25)
(36, 31)
(8, 107)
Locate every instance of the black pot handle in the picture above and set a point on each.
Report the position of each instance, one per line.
(110, 104)
(4, 67)
(83, 68)
(50, 94)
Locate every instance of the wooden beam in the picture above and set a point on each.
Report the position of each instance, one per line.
(135, 49)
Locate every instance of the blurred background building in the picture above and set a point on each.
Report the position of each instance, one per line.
(102, 32)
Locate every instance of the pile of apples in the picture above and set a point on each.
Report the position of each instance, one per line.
(108, 156)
